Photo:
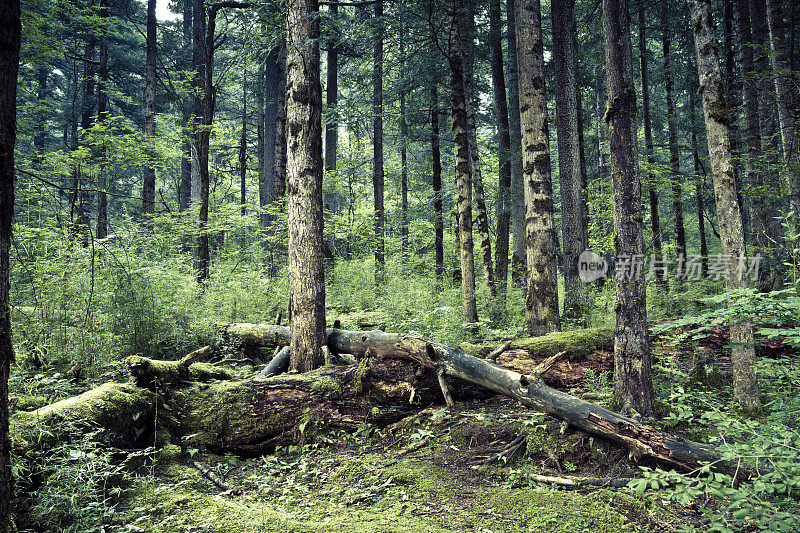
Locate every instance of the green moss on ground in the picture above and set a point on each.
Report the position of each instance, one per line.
(577, 343)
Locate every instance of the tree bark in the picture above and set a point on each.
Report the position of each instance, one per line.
(304, 128)
(672, 128)
(541, 303)
(377, 145)
(243, 148)
(733, 92)
(185, 190)
(573, 217)
(504, 148)
(149, 179)
(281, 156)
(518, 258)
(699, 175)
(784, 98)
(10, 35)
(655, 221)
(403, 152)
(102, 113)
(745, 383)
(463, 163)
(332, 97)
(436, 170)
(633, 382)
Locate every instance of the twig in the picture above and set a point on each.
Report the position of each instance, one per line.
(500, 349)
(414, 447)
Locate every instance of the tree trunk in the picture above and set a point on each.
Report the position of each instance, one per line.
(403, 154)
(699, 175)
(304, 127)
(281, 156)
(603, 175)
(185, 190)
(463, 163)
(784, 98)
(102, 113)
(504, 148)
(377, 145)
(436, 170)
(672, 128)
(243, 148)
(332, 97)
(515, 133)
(149, 179)
(759, 218)
(573, 218)
(541, 303)
(655, 221)
(81, 197)
(633, 382)
(10, 34)
(733, 92)
(745, 383)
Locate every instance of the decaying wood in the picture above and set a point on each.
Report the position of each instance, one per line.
(576, 482)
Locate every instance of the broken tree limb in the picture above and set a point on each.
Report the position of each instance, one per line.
(500, 349)
(643, 440)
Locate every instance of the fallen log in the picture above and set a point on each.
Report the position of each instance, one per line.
(643, 440)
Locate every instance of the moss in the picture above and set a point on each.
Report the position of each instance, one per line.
(149, 372)
(29, 402)
(577, 343)
(326, 385)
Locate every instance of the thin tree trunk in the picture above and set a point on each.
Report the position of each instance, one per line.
(784, 98)
(699, 174)
(332, 97)
(377, 145)
(745, 383)
(633, 382)
(185, 188)
(515, 133)
(436, 170)
(603, 174)
(569, 157)
(10, 34)
(243, 148)
(672, 128)
(403, 154)
(102, 112)
(504, 148)
(87, 113)
(279, 178)
(655, 220)
(733, 92)
(541, 302)
(149, 179)
(304, 121)
(463, 163)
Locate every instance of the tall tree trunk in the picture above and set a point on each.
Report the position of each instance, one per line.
(41, 116)
(745, 383)
(436, 171)
(784, 98)
(541, 302)
(633, 382)
(88, 106)
(733, 92)
(304, 121)
(149, 179)
(332, 97)
(102, 113)
(377, 144)
(603, 174)
(672, 128)
(10, 34)
(463, 162)
(515, 133)
(573, 219)
(279, 178)
(699, 175)
(185, 189)
(759, 218)
(403, 153)
(655, 219)
(243, 148)
(504, 148)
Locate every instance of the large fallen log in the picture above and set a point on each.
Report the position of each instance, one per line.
(642, 439)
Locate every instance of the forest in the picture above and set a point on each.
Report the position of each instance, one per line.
(399, 266)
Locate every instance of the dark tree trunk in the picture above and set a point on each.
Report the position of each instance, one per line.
(672, 128)
(185, 190)
(603, 181)
(149, 179)
(733, 92)
(102, 113)
(243, 148)
(745, 383)
(699, 175)
(377, 144)
(573, 218)
(436, 157)
(88, 106)
(463, 162)
(655, 221)
(41, 116)
(515, 133)
(269, 100)
(504, 148)
(279, 179)
(403, 154)
(633, 382)
(541, 303)
(332, 98)
(10, 35)
(304, 140)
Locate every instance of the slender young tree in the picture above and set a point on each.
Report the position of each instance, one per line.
(332, 96)
(463, 161)
(699, 175)
(102, 113)
(436, 171)
(185, 188)
(243, 148)
(149, 180)
(504, 148)
(304, 152)
(633, 382)
(377, 144)
(518, 258)
(573, 217)
(541, 302)
(279, 177)
(10, 34)
(672, 129)
(717, 119)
